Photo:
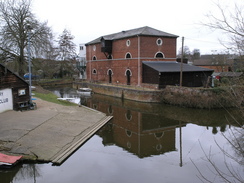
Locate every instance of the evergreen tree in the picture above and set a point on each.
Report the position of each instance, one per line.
(66, 47)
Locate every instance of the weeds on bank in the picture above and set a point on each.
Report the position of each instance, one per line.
(50, 97)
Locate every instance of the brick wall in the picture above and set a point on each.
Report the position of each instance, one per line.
(126, 93)
(147, 46)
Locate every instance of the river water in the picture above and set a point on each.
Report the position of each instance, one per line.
(145, 143)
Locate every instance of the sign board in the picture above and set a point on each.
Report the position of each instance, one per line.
(21, 92)
(6, 100)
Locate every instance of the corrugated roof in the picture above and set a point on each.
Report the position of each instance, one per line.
(168, 66)
(142, 31)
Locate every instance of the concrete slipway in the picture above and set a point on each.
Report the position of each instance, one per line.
(51, 133)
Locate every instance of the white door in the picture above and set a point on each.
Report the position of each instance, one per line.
(6, 100)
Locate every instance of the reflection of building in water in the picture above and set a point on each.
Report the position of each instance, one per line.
(140, 133)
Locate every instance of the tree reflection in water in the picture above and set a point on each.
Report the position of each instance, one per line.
(28, 171)
(20, 173)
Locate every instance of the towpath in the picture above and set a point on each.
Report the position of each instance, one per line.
(51, 133)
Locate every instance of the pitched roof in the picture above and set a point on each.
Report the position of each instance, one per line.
(3, 66)
(230, 74)
(220, 59)
(206, 62)
(142, 31)
(168, 66)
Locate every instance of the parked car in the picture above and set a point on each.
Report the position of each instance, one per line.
(26, 76)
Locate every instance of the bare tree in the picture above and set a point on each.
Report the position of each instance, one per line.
(196, 54)
(186, 52)
(234, 138)
(17, 21)
(231, 22)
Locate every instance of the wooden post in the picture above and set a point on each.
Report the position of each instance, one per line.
(181, 63)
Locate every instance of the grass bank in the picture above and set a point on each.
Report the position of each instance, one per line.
(50, 97)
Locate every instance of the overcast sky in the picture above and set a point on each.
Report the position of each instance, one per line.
(89, 19)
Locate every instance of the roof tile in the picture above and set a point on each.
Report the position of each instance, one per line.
(143, 31)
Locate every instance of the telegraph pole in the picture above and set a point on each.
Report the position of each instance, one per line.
(29, 63)
(181, 63)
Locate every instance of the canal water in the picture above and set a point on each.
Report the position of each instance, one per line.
(146, 143)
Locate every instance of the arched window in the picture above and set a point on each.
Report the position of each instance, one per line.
(94, 58)
(109, 56)
(94, 71)
(159, 55)
(128, 75)
(110, 73)
(159, 135)
(128, 55)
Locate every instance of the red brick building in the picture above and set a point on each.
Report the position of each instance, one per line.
(117, 58)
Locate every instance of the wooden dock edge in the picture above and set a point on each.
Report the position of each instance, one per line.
(60, 158)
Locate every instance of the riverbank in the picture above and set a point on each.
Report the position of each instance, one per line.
(49, 134)
(192, 97)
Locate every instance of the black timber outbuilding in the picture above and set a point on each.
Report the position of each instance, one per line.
(168, 73)
(14, 87)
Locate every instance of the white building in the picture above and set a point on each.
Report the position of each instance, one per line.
(81, 62)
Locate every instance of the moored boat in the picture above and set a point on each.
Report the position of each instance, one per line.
(8, 161)
(84, 91)
(67, 99)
